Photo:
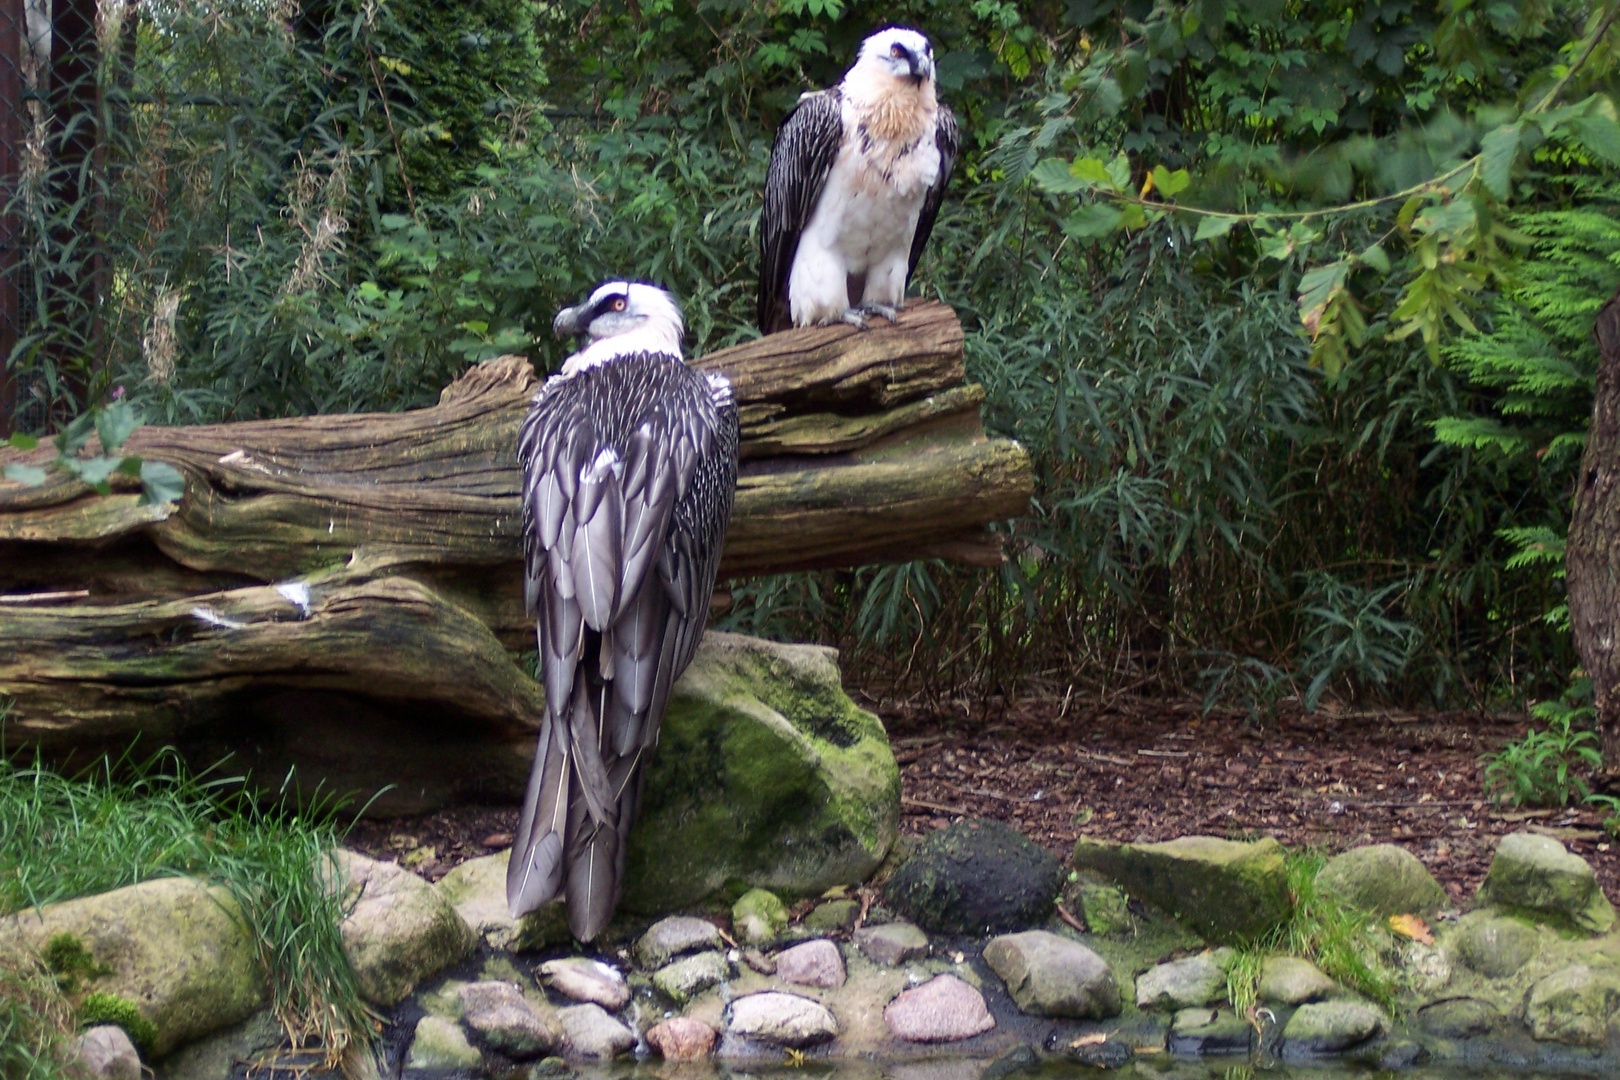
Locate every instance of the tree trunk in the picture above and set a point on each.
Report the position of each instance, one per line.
(374, 558)
(1592, 557)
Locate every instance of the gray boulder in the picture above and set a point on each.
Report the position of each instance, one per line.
(1459, 1018)
(943, 1009)
(1222, 889)
(1206, 1032)
(691, 975)
(1048, 975)
(1496, 946)
(1329, 1027)
(507, 1021)
(767, 773)
(441, 1044)
(1574, 1005)
(1382, 879)
(891, 943)
(973, 877)
(1288, 980)
(1186, 983)
(781, 1019)
(1533, 875)
(669, 938)
(103, 1053)
(216, 1055)
(178, 950)
(399, 930)
(593, 1034)
(477, 890)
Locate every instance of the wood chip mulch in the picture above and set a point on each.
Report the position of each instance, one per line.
(1153, 770)
(1144, 770)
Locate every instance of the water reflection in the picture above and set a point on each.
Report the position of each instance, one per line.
(1156, 1067)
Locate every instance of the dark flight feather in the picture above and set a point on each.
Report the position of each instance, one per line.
(949, 142)
(628, 473)
(802, 156)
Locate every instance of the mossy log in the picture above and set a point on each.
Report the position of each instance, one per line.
(375, 556)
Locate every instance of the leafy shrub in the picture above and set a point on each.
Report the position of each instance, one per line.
(1546, 767)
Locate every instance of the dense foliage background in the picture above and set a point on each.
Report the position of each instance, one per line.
(339, 206)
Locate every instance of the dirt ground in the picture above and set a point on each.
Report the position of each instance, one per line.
(1140, 770)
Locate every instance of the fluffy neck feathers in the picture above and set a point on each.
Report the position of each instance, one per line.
(895, 110)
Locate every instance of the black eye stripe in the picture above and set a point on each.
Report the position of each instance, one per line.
(604, 306)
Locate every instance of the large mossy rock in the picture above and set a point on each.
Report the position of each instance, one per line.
(1383, 880)
(767, 773)
(1533, 876)
(976, 876)
(1222, 889)
(177, 949)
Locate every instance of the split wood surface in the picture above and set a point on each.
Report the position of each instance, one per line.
(378, 554)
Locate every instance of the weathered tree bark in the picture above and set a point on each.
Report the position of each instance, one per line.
(374, 558)
(1592, 558)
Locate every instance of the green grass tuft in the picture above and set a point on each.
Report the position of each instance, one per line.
(35, 1020)
(1340, 940)
(128, 821)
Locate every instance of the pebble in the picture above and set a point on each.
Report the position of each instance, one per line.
(593, 1034)
(682, 1038)
(691, 975)
(783, 1019)
(506, 1020)
(587, 980)
(892, 943)
(104, 1053)
(833, 915)
(669, 938)
(943, 1009)
(441, 1044)
(813, 963)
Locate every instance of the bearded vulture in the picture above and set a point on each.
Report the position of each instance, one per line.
(856, 178)
(629, 461)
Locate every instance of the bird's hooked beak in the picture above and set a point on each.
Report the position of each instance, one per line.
(922, 68)
(567, 322)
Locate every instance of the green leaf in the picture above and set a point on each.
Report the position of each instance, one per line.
(1376, 258)
(1316, 288)
(1599, 134)
(95, 471)
(1093, 171)
(1168, 183)
(75, 434)
(1119, 172)
(19, 441)
(1056, 177)
(161, 483)
(130, 466)
(31, 475)
(1497, 152)
(115, 423)
(1093, 220)
(1212, 226)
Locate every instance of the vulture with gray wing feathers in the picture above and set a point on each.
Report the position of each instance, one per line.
(629, 462)
(856, 179)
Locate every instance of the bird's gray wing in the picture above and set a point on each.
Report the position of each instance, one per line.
(622, 537)
(806, 146)
(948, 140)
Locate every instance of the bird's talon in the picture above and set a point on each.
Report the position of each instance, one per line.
(855, 318)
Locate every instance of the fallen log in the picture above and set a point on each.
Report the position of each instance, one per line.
(373, 558)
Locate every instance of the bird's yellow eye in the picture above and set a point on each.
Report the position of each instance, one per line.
(618, 304)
